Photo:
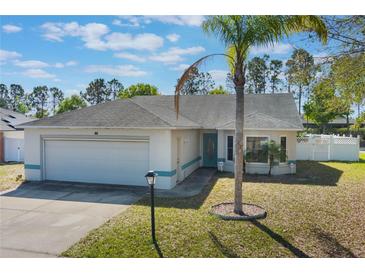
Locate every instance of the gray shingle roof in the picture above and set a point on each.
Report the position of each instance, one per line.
(9, 120)
(266, 111)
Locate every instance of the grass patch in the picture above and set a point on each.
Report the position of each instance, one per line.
(11, 175)
(317, 213)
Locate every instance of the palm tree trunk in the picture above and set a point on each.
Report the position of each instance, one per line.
(238, 164)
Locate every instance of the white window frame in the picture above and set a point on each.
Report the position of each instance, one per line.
(230, 161)
(286, 149)
(245, 148)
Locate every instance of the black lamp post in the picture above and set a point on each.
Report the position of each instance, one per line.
(151, 180)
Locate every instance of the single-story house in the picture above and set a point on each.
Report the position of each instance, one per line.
(117, 142)
(11, 137)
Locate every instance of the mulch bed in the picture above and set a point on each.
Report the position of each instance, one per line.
(250, 212)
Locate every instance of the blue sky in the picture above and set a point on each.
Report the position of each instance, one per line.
(70, 51)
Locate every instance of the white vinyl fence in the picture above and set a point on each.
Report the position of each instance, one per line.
(328, 147)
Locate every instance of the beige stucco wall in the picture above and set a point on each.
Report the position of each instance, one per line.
(159, 149)
(258, 167)
(189, 152)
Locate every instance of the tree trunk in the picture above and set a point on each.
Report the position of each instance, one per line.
(358, 110)
(300, 99)
(238, 164)
(347, 124)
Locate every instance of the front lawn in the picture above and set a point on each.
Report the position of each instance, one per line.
(11, 175)
(317, 213)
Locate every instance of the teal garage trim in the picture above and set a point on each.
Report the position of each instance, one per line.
(30, 166)
(292, 161)
(184, 166)
(166, 173)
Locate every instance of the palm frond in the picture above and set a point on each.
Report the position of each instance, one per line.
(188, 73)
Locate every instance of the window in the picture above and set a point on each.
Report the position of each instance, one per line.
(282, 149)
(255, 152)
(229, 148)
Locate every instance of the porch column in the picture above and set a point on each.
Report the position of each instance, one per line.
(221, 157)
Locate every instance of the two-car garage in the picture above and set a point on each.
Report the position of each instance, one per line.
(96, 160)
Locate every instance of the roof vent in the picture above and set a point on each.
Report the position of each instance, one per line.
(11, 116)
(6, 121)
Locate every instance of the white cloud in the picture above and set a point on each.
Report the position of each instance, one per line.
(174, 54)
(218, 75)
(11, 28)
(98, 37)
(71, 63)
(137, 21)
(180, 67)
(38, 73)
(278, 48)
(173, 37)
(120, 70)
(132, 21)
(36, 64)
(182, 20)
(130, 56)
(144, 41)
(7, 55)
(31, 64)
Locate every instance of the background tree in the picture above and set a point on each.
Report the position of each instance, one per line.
(348, 74)
(39, 98)
(56, 96)
(16, 95)
(114, 87)
(71, 103)
(257, 72)
(97, 92)
(219, 90)
(199, 83)
(321, 107)
(139, 89)
(348, 31)
(239, 34)
(302, 70)
(4, 96)
(275, 68)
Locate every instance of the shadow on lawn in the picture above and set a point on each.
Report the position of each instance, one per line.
(331, 246)
(279, 239)
(222, 248)
(194, 202)
(308, 173)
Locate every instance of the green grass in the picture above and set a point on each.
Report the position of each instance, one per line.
(11, 175)
(317, 213)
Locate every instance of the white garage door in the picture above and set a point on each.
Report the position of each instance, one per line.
(106, 162)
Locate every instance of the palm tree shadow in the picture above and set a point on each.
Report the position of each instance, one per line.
(222, 248)
(279, 239)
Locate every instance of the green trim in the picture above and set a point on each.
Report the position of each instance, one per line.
(221, 160)
(29, 166)
(166, 173)
(292, 161)
(191, 162)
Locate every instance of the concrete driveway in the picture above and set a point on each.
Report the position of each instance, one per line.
(44, 219)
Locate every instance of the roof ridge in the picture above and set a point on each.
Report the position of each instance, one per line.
(150, 111)
(154, 114)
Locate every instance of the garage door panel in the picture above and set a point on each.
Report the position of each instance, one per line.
(112, 162)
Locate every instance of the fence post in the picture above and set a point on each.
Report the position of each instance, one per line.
(330, 147)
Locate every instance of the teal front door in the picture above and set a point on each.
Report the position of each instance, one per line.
(210, 149)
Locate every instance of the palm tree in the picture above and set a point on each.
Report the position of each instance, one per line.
(239, 34)
(274, 153)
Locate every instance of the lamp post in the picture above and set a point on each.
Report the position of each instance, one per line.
(151, 180)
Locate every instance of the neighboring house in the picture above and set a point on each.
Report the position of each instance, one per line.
(11, 138)
(118, 142)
